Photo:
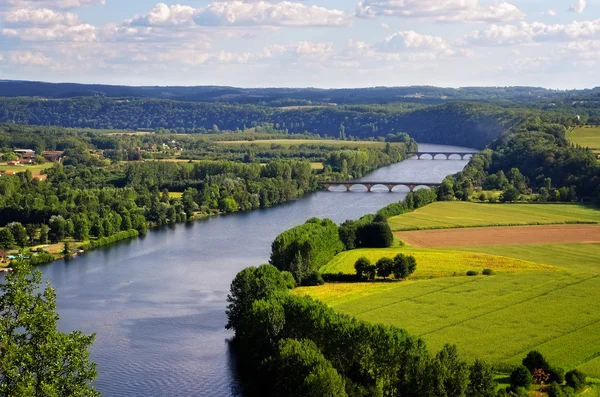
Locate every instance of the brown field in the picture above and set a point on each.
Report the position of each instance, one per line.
(471, 237)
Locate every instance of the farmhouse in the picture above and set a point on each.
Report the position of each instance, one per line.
(13, 163)
(25, 154)
(53, 156)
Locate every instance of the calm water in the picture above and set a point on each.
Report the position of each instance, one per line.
(157, 304)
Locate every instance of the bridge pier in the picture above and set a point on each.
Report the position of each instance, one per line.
(348, 186)
(369, 187)
(411, 187)
(391, 188)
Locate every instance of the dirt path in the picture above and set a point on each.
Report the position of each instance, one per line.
(510, 235)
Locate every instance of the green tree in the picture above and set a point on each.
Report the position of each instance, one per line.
(404, 266)
(299, 369)
(32, 232)
(535, 360)
(19, 232)
(362, 266)
(44, 230)
(7, 239)
(509, 194)
(384, 267)
(448, 375)
(575, 379)
(228, 204)
(520, 377)
(81, 228)
(35, 358)
(481, 380)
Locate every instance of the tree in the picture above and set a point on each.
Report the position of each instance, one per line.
(32, 232)
(375, 235)
(404, 266)
(575, 379)
(35, 358)
(58, 228)
(44, 230)
(81, 227)
(535, 360)
(299, 369)
(481, 380)
(19, 232)
(448, 375)
(510, 194)
(384, 267)
(67, 251)
(520, 377)
(362, 266)
(7, 239)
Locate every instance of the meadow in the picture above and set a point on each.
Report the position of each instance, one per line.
(588, 136)
(454, 214)
(436, 263)
(35, 169)
(549, 301)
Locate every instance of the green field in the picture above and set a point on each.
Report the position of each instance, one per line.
(499, 318)
(35, 169)
(436, 263)
(586, 136)
(453, 214)
(286, 143)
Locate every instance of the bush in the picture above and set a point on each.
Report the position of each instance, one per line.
(488, 272)
(556, 390)
(404, 266)
(313, 279)
(472, 273)
(556, 375)
(520, 377)
(575, 379)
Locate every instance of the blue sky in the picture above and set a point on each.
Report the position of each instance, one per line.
(303, 43)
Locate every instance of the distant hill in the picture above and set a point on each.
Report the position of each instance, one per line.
(290, 96)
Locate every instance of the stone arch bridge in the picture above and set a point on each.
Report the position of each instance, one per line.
(370, 185)
(446, 155)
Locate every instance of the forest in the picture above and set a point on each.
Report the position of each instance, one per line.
(465, 124)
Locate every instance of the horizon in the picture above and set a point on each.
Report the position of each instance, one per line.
(300, 87)
(311, 43)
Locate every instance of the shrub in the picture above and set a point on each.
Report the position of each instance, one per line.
(488, 272)
(472, 273)
(556, 390)
(313, 279)
(575, 379)
(520, 377)
(556, 375)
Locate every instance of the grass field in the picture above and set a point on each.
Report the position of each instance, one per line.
(296, 142)
(586, 136)
(436, 263)
(498, 318)
(444, 215)
(35, 169)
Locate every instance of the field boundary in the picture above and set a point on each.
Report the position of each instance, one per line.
(413, 229)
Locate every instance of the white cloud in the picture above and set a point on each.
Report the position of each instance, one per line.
(385, 26)
(586, 50)
(579, 6)
(56, 4)
(29, 58)
(551, 12)
(526, 33)
(411, 40)
(77, 33)
(164, 15)
(40, 16)
(238, 13)
(465, 11)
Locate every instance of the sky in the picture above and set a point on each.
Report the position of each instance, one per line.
(303, 43)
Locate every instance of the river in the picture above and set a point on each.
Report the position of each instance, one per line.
(157, 304)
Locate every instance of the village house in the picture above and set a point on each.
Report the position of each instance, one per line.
(13, 163)
(53, 156)
(3, 256)
(25, 154)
